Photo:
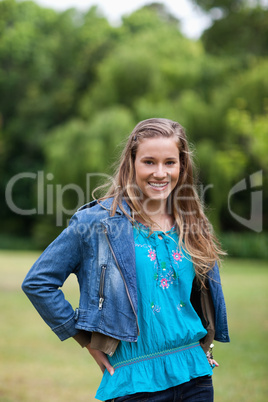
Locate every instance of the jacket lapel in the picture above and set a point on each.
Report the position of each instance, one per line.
(120, 236)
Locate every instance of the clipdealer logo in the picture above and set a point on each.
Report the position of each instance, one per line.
(255, 221)
(50, 197)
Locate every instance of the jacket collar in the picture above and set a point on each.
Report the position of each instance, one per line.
(107, 204)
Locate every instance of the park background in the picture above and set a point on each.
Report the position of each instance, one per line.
(72, 87)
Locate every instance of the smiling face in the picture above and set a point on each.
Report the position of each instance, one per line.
(157, 167)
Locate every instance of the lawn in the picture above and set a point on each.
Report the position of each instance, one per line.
(35, 365)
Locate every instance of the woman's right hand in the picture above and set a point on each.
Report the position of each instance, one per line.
(101, 359)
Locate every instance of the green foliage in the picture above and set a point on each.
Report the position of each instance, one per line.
(47, 62)
(220, 171)
(249, 27)
(88, 145)
(253, 131)
(73, 87)
(148, 18)
(245, 245)
(123, 77)
(226, 5)
(11, 242)
(239, 28)
(247, 90)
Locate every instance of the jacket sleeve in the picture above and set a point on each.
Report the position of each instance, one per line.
(221, 325)
(43, 281)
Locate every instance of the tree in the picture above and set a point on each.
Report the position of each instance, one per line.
(239, 27)
(73, 87)
(226, 5)
(48, 60)
(240, 34)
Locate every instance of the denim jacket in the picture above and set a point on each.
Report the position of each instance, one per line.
(99, 249)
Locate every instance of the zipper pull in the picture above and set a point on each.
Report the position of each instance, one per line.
(101, 300)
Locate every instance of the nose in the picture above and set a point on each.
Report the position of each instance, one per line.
(160, 171)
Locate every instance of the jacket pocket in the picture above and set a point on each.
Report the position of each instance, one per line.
(101, 288)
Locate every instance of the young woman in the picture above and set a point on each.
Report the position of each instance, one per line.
(151, 301)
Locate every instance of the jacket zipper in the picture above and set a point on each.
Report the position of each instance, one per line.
(119, 269)
(101, 288)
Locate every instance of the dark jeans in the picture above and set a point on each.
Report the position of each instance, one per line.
(197, 390)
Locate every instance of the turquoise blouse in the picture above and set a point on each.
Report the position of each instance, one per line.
(167, 352)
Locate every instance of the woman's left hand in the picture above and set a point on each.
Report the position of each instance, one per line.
(101, 359)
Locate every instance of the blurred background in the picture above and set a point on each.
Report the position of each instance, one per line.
(74, 82)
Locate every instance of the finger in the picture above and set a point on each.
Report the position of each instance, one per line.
(109, 368)
(102, 360)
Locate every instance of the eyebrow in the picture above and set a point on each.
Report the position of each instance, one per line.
(151, 157)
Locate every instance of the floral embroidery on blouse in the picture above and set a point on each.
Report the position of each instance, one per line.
(164, 283)
(181, 305)
(167, 279)
(177, 256)
(165, 272)
(165, 262)
(152, 255)
(155, 308)
(163, 265)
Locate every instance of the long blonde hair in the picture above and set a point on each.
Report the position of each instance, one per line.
(194, 229)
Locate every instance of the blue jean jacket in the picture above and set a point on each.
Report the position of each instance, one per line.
(99, 249)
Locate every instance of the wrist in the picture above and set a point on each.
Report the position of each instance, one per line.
(83, 338)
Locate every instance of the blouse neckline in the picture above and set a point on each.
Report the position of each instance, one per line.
(146, 228)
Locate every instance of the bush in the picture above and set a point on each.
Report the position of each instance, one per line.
(8, 242)
(245, 245)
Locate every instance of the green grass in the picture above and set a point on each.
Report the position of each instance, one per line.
(36, 366)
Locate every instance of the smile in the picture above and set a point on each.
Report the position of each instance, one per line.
(158, 185)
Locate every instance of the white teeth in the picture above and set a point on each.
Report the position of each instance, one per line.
(158, 184)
